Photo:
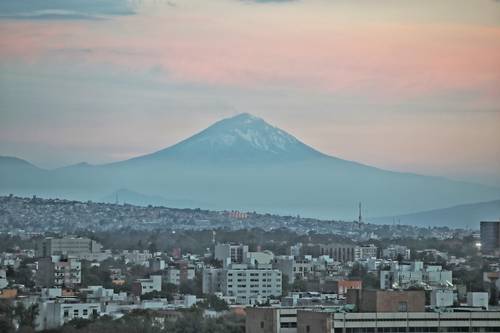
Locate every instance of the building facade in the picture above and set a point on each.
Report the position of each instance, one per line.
(144, 286)
(236, 252)
(387, 300)
(422, 322)
(308, 320)
(245, 283)
(54, 314)
(58, 272)
(490, 237)
(340, 252)
(67, 246)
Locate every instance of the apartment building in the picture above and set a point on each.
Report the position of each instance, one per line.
(246, 283)
(58, 271)
(237, 253)
(67, 246)
(414, 274)
(365, 252)
(54, 314)
(396, 252)
(292, 267)
(340, 252)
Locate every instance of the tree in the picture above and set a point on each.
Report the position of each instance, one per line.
(299, 284)
(188, 287)
(25, 316)
(24, 275)
(215, 303)
(285, 284)
(359, 272)
(6, 316)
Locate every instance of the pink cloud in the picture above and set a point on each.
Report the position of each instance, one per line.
(381, 61)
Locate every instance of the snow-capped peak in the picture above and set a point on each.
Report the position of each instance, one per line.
(250, 130)
(243, 137)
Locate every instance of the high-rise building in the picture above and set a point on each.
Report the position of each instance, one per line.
(490, 237)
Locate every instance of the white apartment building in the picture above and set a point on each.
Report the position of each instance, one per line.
(245, 283)
(395, 251)
(365, 252)
(54, 314)
(101, 294)
(414, 274)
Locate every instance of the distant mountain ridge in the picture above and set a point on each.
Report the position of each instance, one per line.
(244, 163)
(467, 215)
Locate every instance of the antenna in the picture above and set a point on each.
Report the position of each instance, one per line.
(360, 219)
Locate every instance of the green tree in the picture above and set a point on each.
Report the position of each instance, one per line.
(215, 303)
(26, 316)
(299, 284)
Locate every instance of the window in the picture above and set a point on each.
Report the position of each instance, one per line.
(66, 313)
(308, 328)
(85, 312)
(261, 324)
(75, 312)
(403, 307)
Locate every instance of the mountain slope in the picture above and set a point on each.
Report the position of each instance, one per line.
(244, 163)
(240, 139)
(468, 215)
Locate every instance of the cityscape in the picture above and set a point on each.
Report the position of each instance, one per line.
(97, 265)
(249, 166)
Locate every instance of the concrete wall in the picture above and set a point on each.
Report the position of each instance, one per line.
(313, 322)
(262, 320)
(391, 301)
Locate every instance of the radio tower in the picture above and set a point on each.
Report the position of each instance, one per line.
(360, 218)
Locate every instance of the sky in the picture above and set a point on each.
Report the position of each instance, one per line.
(402, 85)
